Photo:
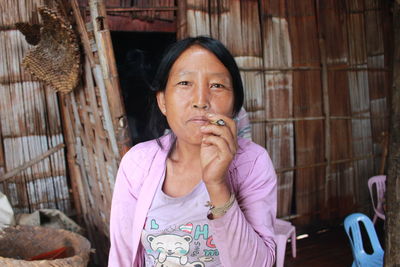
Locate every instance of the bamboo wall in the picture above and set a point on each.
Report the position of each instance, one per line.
(33, 172)
(316, 76)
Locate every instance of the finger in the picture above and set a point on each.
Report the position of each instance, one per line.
(229, 122)
(221, 145)
(221, 132)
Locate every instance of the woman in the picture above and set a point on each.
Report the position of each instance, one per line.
(158, 216)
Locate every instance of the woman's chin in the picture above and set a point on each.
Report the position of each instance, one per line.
(193, 139)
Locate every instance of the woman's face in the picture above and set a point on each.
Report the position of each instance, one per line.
(198, 84)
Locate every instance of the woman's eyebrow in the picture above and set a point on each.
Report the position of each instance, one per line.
(187, 72)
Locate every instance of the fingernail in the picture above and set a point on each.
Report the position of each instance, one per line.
(202, 127)
(210, 115)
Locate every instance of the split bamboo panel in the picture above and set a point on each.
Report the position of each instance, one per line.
(30, 124)
(359, 101)
(377, 77)
(278, 85)
(307, 102)
(340, 183)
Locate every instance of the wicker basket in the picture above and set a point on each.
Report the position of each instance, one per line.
(23, 242)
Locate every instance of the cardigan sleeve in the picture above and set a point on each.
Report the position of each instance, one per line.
(244, 236)
(122, 209)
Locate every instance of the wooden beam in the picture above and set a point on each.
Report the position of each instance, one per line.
(110, 76)
(392, 222)
(30, 163)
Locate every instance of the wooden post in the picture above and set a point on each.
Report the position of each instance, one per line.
(110, 74)
(325, 93)
(392, 222)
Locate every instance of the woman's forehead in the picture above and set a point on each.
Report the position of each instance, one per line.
(197, 58)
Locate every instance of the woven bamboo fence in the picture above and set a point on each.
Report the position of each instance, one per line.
(316, 83)
(33, 172)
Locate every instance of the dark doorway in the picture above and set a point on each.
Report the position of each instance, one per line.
(137, 55)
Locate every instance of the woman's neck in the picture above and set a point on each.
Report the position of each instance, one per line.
(185, 153)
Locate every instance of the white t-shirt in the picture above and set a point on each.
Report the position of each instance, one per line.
(177, 233)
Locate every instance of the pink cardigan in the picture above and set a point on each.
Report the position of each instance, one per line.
(243, 236)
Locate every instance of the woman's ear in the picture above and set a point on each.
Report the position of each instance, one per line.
(161, 102)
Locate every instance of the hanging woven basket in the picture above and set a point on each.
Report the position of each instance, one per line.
(34, 246)
(55, 58)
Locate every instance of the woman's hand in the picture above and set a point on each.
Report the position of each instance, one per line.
(218, 148)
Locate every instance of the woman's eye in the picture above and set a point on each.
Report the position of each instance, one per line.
(183, 83)
(217, 85)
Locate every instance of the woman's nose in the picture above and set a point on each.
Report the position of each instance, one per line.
(201, 98)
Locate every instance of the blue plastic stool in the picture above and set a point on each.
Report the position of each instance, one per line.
(361, 258)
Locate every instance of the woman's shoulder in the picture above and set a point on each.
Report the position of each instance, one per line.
(248, 150)
(252, 164)
(140, 152)
(250, 156)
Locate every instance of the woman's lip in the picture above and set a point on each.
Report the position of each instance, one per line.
(199, 119)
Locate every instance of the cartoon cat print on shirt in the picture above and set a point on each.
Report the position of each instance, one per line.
(174, 247)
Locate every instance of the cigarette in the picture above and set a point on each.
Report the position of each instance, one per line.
(219, 122)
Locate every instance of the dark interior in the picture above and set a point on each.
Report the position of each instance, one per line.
(137, 56)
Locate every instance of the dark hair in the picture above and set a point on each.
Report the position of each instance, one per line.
(158, 122)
